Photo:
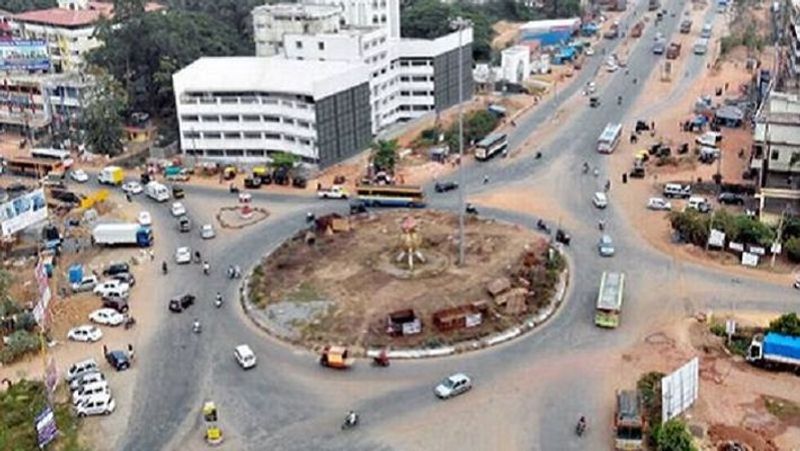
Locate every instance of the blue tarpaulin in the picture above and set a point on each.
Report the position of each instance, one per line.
(782, 345)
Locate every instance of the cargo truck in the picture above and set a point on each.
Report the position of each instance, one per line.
(628, 421)
(122, 234)
(775, 351)
(157, 191)
(111, 175)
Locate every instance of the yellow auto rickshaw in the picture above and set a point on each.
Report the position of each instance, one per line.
(213, 432)
(335, 357)
(229, 172)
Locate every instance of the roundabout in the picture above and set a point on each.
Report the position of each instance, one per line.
(391, 281)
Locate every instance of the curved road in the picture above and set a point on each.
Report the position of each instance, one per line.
(528, 393)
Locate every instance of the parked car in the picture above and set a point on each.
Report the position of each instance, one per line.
(117, 303)
(125, 277)
(86, 378)
(118, 360)
(79, 175)
(605, 247)
(731, 199)
(107, 316)
(677, 190)
(244, 356)
(442, 187)
(88, 390)
(657, 203)
(699, 203)
(600, 200)
(177, 192)
(453, 385)
(178, 209)
(181, 303)
(79, 369)
(96, 405)
(87, 283)
(87, 332)
(144, 218)
(116, 268)
(207, 232)
(111, 287)
(358, 207)
(184, 224)
(132, 187)
(183, 255)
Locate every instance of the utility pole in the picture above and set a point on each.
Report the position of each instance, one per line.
(779, 238)
(460, 24)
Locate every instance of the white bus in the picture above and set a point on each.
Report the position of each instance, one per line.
(609, 139)
(53, 154)
(489, 146)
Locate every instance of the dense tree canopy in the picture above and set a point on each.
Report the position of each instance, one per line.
(18, 6)
(143, 53)
(234, 13)
(103, 115)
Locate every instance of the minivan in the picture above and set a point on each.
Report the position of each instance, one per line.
(677, 190)
(600, 200)
(699, 203)
(102, 404)
(88, 390)
(79, 369)
(86, 378)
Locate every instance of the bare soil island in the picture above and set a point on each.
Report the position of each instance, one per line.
(337, 287)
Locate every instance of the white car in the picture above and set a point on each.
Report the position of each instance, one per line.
(453, 385)
(178, 209)
(102, 404)
(245, 356)
(132, 187)
(87, 283)
(107, 316)
(106, 287)
(79, 175)
(657, 203)
(183, 255)
(600, 200)
(207, 232)
(144, 218)
(86, 378)
(589, 51)
(86, 391)
(87, 332)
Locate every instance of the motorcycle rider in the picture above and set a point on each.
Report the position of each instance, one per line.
(585, 167)
(164, 267)
(351, 419)
(581, 426)
(206, 267)
(197, 256)
(619, 100)
(196, 326)
(218, 300)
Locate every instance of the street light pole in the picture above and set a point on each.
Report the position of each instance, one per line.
(460, 23)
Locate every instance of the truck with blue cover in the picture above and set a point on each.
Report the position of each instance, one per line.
(775, 350)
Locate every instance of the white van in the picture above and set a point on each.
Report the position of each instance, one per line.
(677, 190)
(88, 390)
(600, 200)
(699, 203)
(79, 369)
(102, 404)
(157, 191)
(706, 31)
(87, 378)
(609, 139)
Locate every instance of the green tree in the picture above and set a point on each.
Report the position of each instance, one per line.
(792, 247)
(787, 324)
(18, 6)
(102, 116)
(283, 159)
(673, 436)
(126, 10)
(385, 155)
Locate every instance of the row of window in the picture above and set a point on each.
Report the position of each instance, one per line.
(416, 93)
(375, 42)
(244, 100)
(417, 78)
(248, 135)
(241, 153)
(245, 118)
(416, 62)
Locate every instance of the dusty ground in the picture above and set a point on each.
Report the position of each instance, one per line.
(733, 398)
(350, 269)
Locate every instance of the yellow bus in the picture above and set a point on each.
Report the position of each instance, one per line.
(391, 196)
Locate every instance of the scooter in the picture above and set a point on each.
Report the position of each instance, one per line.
(542, 226)
(218, 301)
(580, 428)
(471, 210)
(350, 421)
(196, 327)
(206, 268)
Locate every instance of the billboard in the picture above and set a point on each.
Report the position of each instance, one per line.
(23, 54)
(23, 211)
(46, 429)
(679, 390)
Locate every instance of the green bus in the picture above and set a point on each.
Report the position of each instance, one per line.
(609, 299)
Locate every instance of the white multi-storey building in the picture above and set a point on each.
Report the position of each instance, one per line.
(245, 109)
(404, 78)
(271, 22)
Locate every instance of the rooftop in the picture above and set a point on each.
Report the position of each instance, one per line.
(61, 17)
(298, 10)
(273, 74)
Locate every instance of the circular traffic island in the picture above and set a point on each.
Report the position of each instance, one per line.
(392, 280)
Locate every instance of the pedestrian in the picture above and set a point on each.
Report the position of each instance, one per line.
(485, 179)
(128, 197)
(105, 350)
(130, 351)
(726, 85)
(608, 185)
(652, 125)
(151, 254)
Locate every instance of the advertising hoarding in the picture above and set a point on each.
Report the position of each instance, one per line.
(679, 390)
(22, 212)
(24, 54)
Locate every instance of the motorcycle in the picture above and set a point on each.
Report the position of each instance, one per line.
(542, 226)
(206, 268)
(164, 268)
(218, 301)
(129, 322)
(470, 209)
(196, 327)
(585, 168)
(234, 189)
(580, 428)
(381, 360)
(350, 421)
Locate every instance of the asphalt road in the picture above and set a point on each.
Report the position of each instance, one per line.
(528, 393)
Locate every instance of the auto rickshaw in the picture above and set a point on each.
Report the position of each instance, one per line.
(335, 357)
(563, 237)
(229, 173)
(213, 432)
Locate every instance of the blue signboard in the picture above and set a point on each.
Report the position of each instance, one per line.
(46, 428)
(23, 54)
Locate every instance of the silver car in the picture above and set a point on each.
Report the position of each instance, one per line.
(207, 232)
(453, 385)
(605, 246)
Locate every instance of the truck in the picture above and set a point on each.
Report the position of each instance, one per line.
(775, 350)
(334, 192)
(157, 191)
(176, 174)
(122, 234)
(111, 175)
(674, 50)
(629, 422)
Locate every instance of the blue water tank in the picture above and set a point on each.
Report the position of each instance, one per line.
(75, 273)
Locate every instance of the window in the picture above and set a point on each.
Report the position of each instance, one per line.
(375, 20)
(209, 118)
(298, 44)
(230, 118)
(255, 152)
(775, 155)
(303, 124)
(272, 136)
(235, 153)
(383, 18)
(404, 93)
(419, 79)
(290, 138)
(233, 135)
(191, 135)
(287, 120)
(229, 100)
(305, 142)
(251, 118)
(215, 152)
(252, 135)
(272, 119)
(190, 118)
(321, 45)
(212, 135)
(404, 64)
(403, 79)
